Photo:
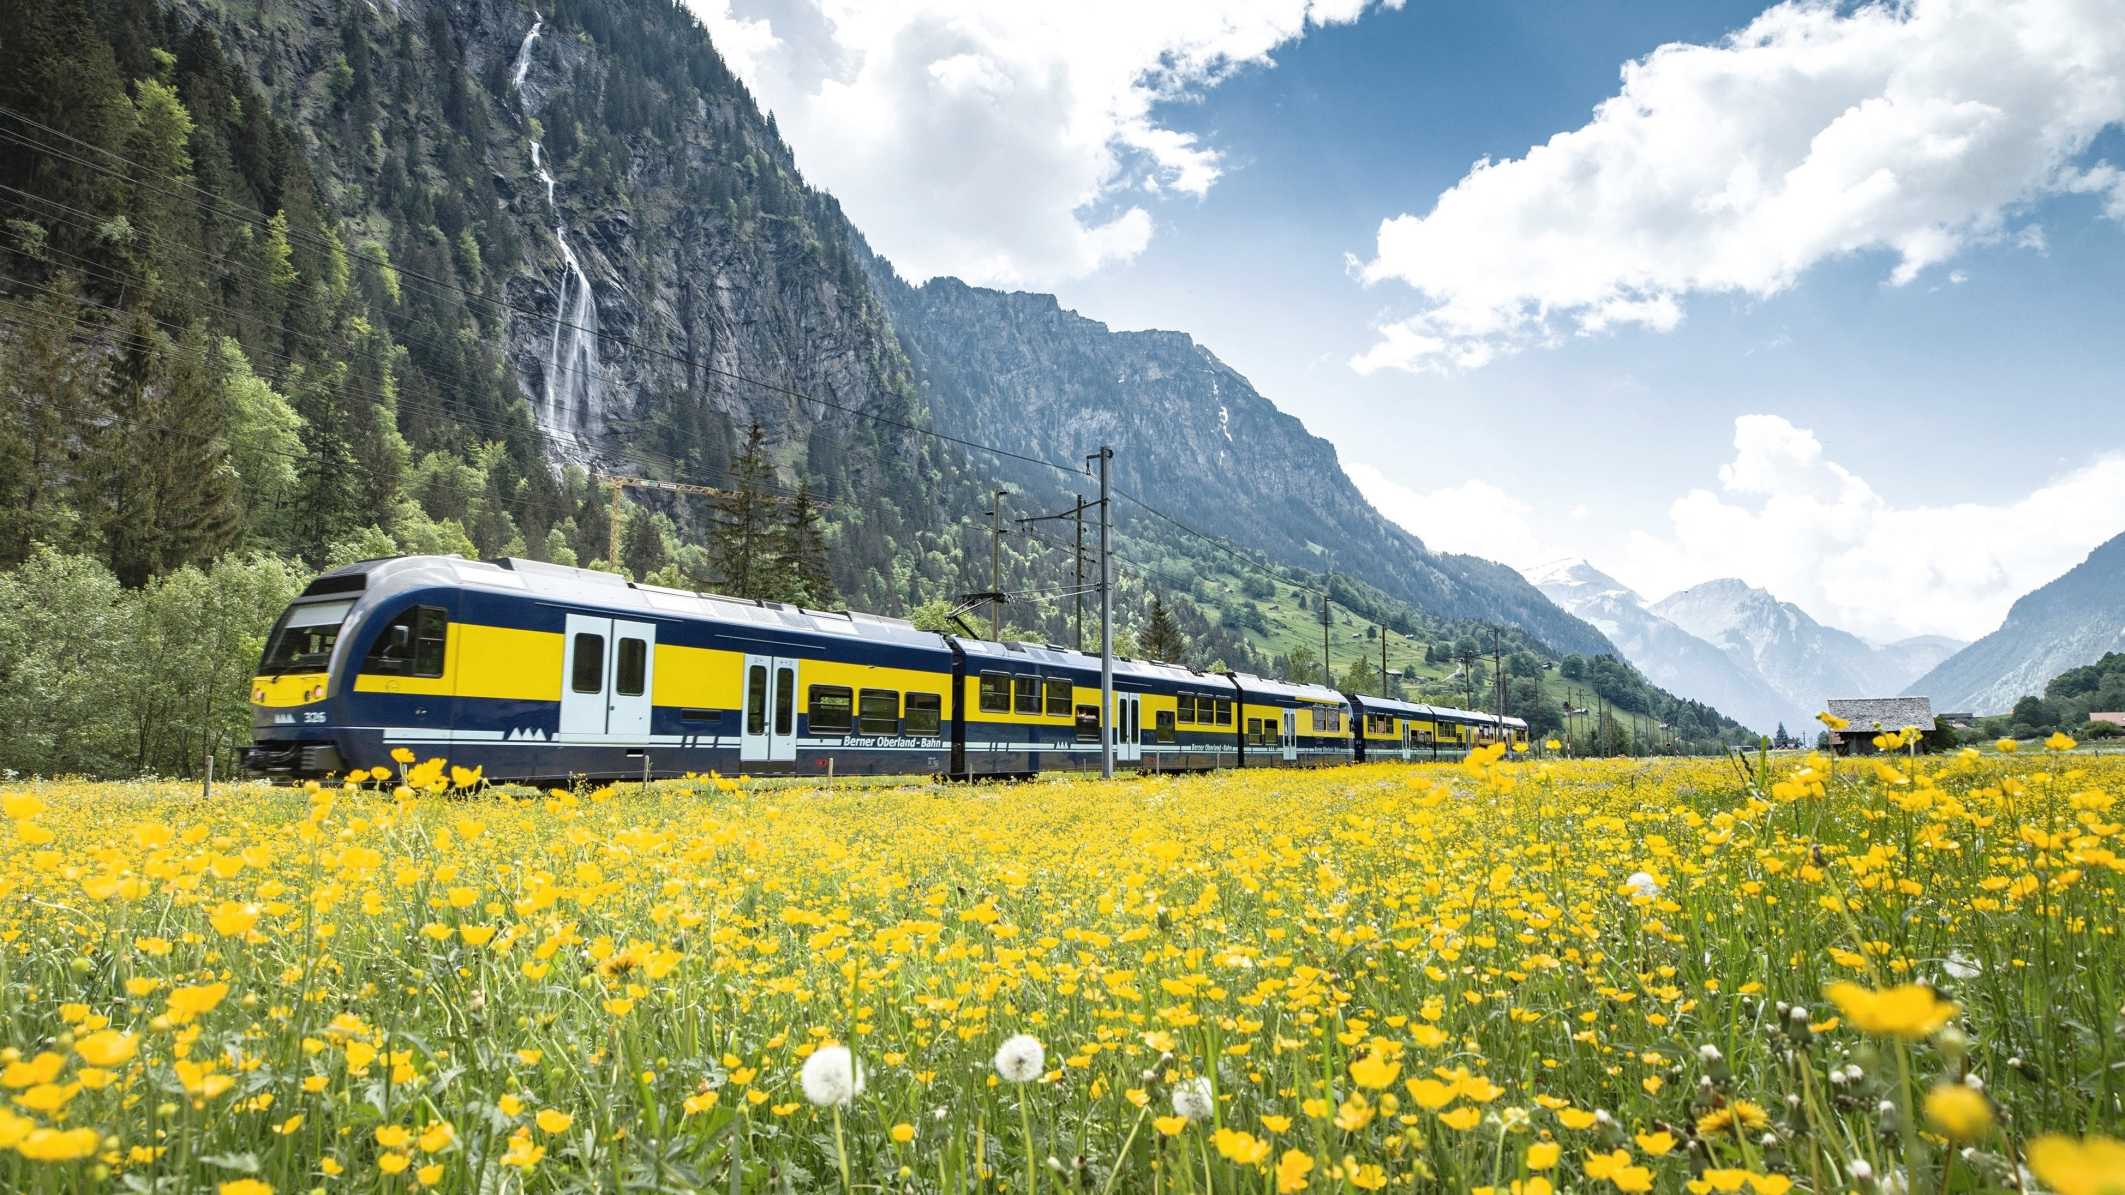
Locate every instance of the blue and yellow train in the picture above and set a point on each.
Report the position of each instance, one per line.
(539, 672)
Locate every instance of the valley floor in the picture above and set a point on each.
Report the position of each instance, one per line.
(1518, 976)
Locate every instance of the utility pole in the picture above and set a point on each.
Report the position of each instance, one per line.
(1328, 673)
(1077, 593)
(1106, 621)
(1497, 663)
(1383, 660)
(995, 563)
(1077, 513)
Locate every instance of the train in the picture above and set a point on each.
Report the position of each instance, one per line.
(541, 673)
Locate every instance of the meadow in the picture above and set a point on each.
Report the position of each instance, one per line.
(1508, 976)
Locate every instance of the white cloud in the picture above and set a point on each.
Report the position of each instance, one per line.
(1917, 128)
(1788, 519)
(1474, 516)
(1010, 143)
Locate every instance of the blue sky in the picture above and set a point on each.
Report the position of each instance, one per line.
(1899, 412)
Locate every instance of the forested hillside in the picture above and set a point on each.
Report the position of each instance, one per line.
(285, 285)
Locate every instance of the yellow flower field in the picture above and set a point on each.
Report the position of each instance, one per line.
(1514, 976)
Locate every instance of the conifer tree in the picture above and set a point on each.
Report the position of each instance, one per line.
(642, 547)
(46, 390)
(1161, 639)
(741, 548)
(800, 550)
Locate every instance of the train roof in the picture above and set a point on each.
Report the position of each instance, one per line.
(981, 651)
(1322, 694)
(1390, 705)
(610, 591)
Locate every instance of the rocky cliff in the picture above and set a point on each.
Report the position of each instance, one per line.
(1192, 437)
(586, 193)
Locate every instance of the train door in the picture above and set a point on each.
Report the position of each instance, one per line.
(1128, 727)
(606, 666)
(1291, 736)
(768, 724)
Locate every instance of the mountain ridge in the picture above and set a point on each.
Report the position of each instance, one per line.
(2068, 622)
(1670, 656)
(1019, 370)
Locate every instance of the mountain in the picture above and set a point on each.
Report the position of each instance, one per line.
(1191, 435)
(2068, 623)
(434, 270)
(1919, 654)
(1669, 656)
(1803, 661)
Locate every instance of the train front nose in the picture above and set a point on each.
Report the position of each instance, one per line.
(291, 728)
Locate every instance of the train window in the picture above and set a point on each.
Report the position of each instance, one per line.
(1185, 707)
(755, 699)
(630, 672)
(1026, 689)
(588, 675)
(995, 693)
(1088, 724)
(1056, 691)
(785, 700)
(303, 638)
(1254, 732)
(1224, 712)
(829, 707)
(1165, 726)
(878, 712)
(925, 714)
(411, 645)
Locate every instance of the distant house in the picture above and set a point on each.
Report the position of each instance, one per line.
(1870, 716)
(1959, 719)
(2114, 717)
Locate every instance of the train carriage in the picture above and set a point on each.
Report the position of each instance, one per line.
(536, 671)
(1388, 728)
(1288, 725)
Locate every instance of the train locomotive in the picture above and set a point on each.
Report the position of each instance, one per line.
(542, 673)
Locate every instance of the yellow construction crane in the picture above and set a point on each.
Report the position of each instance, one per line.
(618, 483)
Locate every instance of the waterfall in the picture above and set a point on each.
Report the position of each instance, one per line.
(523, 54)
(572, 382)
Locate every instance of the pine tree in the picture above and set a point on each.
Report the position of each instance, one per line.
(1161, 639)
(161, 488)
(800, 552)
(642, 547)
(742, 543)
(47, 386)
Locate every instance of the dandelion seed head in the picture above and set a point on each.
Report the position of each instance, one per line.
(1021, 1058)
(831, 1077)
(1192, 1098)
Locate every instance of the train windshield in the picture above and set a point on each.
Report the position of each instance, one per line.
(303, 638)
